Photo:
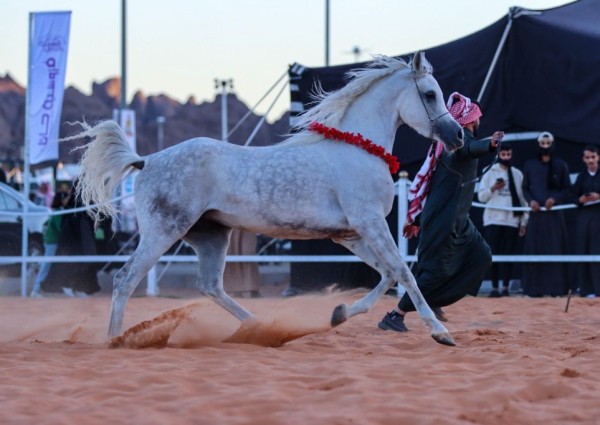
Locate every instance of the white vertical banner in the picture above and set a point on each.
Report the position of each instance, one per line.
(48, 50)
(127, 218)
(127, 123)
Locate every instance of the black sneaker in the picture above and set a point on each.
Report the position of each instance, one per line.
(504, 293)
(439, 314)
(393, 321)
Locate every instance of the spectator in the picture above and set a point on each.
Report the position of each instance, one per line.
(44, 195)
(106, 242)
(587, 241)
(501, 186)
(240, 279)
(545, 184)
(77, 237)
(51, 235)
(14, 176)
(2, 174)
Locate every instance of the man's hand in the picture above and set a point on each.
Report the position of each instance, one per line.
(549, 203)
(522, 231)
(498, 185)
(410, 231)
(534, 205)
(496, 139)
(589, 197)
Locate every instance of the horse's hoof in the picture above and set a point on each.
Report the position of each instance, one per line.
(444, 339)
(115, 342)
(339, 316)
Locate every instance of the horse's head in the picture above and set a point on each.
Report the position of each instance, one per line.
(423, 108)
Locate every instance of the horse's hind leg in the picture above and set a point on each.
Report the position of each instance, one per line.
(210, 241)
(129, 276)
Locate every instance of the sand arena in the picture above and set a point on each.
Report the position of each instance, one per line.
(518, 361)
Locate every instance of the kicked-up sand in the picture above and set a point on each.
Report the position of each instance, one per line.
(517, 361)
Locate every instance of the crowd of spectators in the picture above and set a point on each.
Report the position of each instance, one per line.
(543, 185)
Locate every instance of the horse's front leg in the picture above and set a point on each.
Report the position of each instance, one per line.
(378, 249)
(362, 249)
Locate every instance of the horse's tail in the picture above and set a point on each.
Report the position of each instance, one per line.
(105, 162)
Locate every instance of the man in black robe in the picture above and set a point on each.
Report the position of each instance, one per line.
(545, 183)
(77, 237)
(452, 255)
(587, 242)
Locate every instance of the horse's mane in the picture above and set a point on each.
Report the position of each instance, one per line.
(331, 106)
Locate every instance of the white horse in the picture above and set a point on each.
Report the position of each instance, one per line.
(308, 187)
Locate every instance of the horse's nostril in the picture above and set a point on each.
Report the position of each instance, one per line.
(460, 134)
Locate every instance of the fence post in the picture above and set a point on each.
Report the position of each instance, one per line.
(152, 287)
(402, 210)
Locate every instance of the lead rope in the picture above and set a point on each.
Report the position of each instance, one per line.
(487, 167)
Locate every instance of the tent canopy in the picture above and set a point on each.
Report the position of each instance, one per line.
(546, 78)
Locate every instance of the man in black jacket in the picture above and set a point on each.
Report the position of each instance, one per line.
(587, 242)
(452, 255)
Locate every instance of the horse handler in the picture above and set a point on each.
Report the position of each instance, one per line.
(452, 255)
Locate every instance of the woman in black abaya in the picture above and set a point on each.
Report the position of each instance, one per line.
(76, 238)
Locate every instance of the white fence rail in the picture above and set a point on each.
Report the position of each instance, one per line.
(402, 191)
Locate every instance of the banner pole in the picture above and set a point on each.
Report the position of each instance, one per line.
(46, 68)
(26, 182)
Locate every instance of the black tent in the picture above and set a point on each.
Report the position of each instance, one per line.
(531, 71)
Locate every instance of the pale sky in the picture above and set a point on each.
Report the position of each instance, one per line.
(179, 47)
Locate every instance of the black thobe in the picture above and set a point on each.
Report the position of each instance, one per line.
(587, 240)
(452, 255)
(546, 230)
(77, 237)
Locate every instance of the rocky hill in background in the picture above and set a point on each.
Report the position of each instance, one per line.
(183, 121)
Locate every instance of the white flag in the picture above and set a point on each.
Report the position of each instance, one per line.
(48, 49)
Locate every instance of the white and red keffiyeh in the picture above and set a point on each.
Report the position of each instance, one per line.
(419, 189)
(462, 109)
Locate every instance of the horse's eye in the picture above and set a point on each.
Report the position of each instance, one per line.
(430, 95)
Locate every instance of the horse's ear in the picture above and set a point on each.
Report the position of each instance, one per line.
(420, 64)
(416, 62)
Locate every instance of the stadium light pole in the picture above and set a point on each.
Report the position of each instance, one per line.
(123, 55)
(326, 32)
(160, 125)
(224, 86)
